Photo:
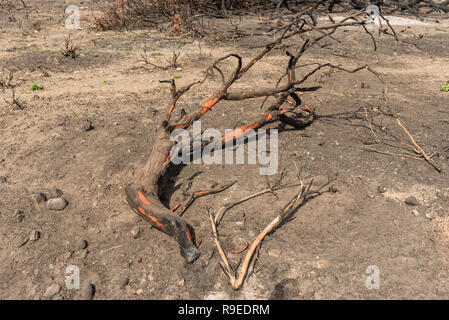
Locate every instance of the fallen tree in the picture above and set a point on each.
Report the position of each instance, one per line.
(143, 195)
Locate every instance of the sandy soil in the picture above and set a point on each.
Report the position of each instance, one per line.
(322, 253)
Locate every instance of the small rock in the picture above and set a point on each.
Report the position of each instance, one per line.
(55, 193)
(87, 126)
(18, 215)
(87, 291)
(20, 241)
(178, 69)
(81, 244)
(411, 201)
(415, 212)
(39, 197)
(429, 216)
(35, 235)
(56, 204)
(52, 290)
(135, 232)
(124, 282)
(381, 189)
(2, 179)
(139, 291)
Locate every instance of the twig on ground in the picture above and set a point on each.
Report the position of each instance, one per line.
(15, 101)
(297, 201)
(171, 64)
(412, 151)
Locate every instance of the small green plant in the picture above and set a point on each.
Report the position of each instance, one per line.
(36, 86)
(445, 88)
(155, 53)
(339, 94)
(176, 76)
(105, 81)
(91, 76)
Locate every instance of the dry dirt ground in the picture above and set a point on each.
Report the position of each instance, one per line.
(322, 253)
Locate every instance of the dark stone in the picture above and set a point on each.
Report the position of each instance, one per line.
(82, 244)
(87, 126)
(35, 235)
(411, 201)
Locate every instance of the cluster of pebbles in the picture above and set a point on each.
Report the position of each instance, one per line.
(54, 201)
